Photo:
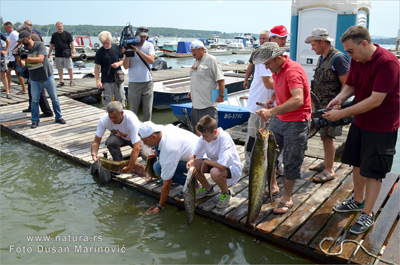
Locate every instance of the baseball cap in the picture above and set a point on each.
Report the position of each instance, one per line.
(147, 128)
(279, 31)
(142, 31)
(196, 44)
(22, 35)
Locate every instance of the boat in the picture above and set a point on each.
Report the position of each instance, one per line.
(238, 46)
(80, 71)
(217, 52)
(83, 44)
(182, 51)
(231, 112)
(176, 91)
(170, 46)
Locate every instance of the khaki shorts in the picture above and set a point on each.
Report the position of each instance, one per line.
(62, 62)
(330, 132)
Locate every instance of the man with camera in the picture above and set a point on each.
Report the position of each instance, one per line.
(370, 146)
(329, 77)
(63, 42)
(13, 38)
(40, 73)
(140, 87)
(290, 118)
(109, 59)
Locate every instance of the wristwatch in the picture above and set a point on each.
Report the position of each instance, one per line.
(221, 95)
(159, 207)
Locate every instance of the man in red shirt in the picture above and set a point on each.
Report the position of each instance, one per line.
(290, 118)
(370, 144)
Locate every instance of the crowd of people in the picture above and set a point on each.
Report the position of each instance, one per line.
(281, 84)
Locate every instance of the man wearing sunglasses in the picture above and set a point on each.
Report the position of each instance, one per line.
(373, 79)
(140, 87)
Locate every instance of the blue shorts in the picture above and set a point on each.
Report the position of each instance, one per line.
(372, 152)
(291, 137)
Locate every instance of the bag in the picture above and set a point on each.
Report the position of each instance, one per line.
(66, 53)
(22, 71)
(119, 77)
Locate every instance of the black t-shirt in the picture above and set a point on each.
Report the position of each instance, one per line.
(105, 58)
(61, 42)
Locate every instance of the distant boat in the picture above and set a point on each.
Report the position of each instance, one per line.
(231, 112)
(242, 44)
(182, 51)
(79, 71)
(171, 46)
(83, 44)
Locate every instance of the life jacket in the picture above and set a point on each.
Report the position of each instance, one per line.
(326, 84)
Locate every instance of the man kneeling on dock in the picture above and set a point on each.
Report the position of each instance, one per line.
(124, 126)
(173, 147)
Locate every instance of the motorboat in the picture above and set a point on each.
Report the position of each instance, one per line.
(171, 46)
(79, 71)
(182, 51)
(231, 112)
(176, 91)
(83, 44)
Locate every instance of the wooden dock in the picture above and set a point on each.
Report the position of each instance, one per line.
(301, 229)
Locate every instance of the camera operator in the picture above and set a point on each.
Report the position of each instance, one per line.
(43, 103)
(140, 80)
(370, 146)
(41, 74)
(329, 77)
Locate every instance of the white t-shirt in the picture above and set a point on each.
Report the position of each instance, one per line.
(223, 151)
(13, 38)
(127, 129)
(205, 75)
(138, 71)
(258, 92)
(176, 145)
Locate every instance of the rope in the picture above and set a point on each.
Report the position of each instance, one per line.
(352, 241)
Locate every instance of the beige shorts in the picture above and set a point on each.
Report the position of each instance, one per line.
(331, 132)
(62, 62)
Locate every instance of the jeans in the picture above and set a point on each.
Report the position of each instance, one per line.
(114, 144)
(36, 90)
(178, 177)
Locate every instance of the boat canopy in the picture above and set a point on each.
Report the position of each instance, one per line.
(205, 42)
(183, 47)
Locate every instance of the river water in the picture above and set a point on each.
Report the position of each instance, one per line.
(53, 211)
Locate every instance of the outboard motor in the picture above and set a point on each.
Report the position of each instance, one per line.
(159, 64)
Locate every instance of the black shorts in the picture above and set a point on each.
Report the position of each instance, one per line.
(227, 169)
(11, 65)
(372, 152)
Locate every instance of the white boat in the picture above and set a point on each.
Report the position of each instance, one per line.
(217, 52)
(237, 47)
(171, 46)
(158, 53)
(79, 71)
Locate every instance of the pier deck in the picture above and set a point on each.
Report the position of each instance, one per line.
(301, 229)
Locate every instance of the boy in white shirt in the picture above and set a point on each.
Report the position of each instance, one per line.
(222, 162)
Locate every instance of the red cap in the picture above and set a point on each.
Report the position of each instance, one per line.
(279, 31)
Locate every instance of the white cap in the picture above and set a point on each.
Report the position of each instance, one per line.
(196, 44)
(148, 128)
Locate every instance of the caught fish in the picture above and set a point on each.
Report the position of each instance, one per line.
(151, 159)
(261, 168)
(271, 157)
(114, 166)
(189, 195)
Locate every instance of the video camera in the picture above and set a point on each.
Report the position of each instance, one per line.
(21, 52)
(320, 122)
(128, 39)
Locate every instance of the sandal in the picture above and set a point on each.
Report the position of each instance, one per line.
(60, 84)
(319, 167)
(323, 177)
(266, 194)
(282, 206)
(3, 90)
(21, 93)
(71, 83)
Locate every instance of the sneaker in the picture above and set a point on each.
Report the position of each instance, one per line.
(349, 205)
(45, 115)
(224, 200)
(202, 192)
(26, 110)
(364, 221)
(34, 125)
(61, 121)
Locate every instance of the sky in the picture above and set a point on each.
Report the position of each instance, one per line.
(221, 15)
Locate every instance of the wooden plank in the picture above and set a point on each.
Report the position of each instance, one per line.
(318, 221)
(373, 242)
(291, 224)
(391, 251)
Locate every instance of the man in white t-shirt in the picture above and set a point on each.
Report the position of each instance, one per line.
(140, 87)
(124, 126)
(222, 162)
(261, 89)
(13, 38)
(173, 147)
